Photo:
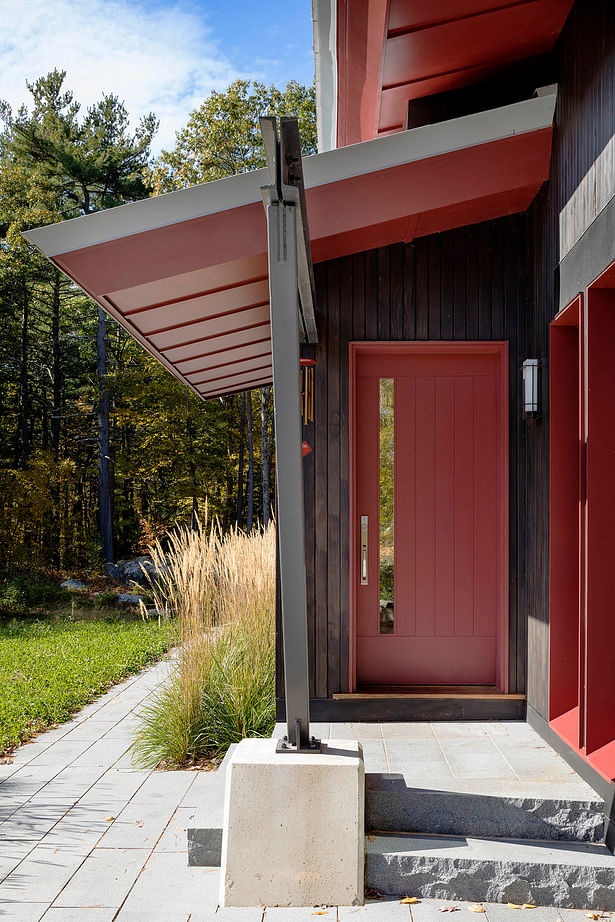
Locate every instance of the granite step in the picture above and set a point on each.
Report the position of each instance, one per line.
(546, 812)
(563, 874)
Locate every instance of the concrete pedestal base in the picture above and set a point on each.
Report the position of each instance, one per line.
(293, 826)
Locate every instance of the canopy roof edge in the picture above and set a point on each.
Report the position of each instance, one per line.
(186, 273)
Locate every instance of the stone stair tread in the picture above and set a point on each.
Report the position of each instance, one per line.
(574, 789)
(566, 874)
(512, 811)
(496, 850)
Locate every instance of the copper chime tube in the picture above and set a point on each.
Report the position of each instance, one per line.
(307, 390)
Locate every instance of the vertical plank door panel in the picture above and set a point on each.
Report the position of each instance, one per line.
(464, 505)
(444, 511)
(485, 507)
(424, 514)
(405, 504)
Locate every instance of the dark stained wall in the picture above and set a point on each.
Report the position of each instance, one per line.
(575, 199)
(467, 284)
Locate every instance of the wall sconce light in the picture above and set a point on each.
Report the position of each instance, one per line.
(530, 388)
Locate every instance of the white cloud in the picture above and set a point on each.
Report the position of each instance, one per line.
(159, 59)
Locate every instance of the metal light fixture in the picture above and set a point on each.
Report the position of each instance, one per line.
(530, 388)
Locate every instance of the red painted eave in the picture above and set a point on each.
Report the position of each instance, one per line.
(391, 53)
(194, 292)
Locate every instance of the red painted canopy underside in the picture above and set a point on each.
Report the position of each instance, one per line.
(195, 292)
(392, 51)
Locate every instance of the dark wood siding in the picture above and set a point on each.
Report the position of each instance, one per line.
(466, 284)
(582, 181)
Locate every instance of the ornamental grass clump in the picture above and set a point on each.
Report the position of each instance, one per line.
(221, 589)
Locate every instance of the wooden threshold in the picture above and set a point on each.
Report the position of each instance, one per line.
(375, 692)
(376, 695)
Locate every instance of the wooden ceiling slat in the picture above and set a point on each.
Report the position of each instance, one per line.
(216, 371)
(197, 317)
(196, 332)
(248, 386)
(222, 356)
(239, 382)
(255, 369)
(212, 295)
(406, 15)
(210, 345)
(190, 284)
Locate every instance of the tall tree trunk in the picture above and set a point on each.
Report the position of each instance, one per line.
(229, 404)
(194, 517)
(56, 368)
(105, 515)
(242, 424)
(44, 426)
(53, 540)
(250, 465)
(104, 445)
(264, 454)
(22, 448)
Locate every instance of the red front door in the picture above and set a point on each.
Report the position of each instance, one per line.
(430, 529)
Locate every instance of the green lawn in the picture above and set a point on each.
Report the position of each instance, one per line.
(49, 669)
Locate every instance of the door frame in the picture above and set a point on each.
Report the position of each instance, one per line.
(500, 349)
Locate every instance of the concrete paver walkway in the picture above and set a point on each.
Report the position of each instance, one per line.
(86, 837)
(485, 757)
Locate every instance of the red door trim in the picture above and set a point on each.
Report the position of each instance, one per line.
(500, 349)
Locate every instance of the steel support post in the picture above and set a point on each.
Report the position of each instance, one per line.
(281, 226)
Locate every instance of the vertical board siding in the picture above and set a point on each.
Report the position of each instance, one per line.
(464, 285)
(581, 183)
(585, 180)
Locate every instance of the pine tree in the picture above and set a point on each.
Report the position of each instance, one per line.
(87, 164)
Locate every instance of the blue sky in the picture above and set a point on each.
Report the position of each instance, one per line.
(163, 56)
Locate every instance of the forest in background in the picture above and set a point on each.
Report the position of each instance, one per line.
(101, 449)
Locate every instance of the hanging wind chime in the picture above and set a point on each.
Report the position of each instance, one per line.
(307, 397)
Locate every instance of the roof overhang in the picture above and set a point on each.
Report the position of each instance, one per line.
(186, 273)
(385, 53)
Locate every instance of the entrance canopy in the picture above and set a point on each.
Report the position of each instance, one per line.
(386, 53)
(186, 273)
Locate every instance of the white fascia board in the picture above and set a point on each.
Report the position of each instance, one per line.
(429, 141)
(319, 170)
(150, 213)
(325, 62)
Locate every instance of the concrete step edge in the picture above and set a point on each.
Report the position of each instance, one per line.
(204, 836)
